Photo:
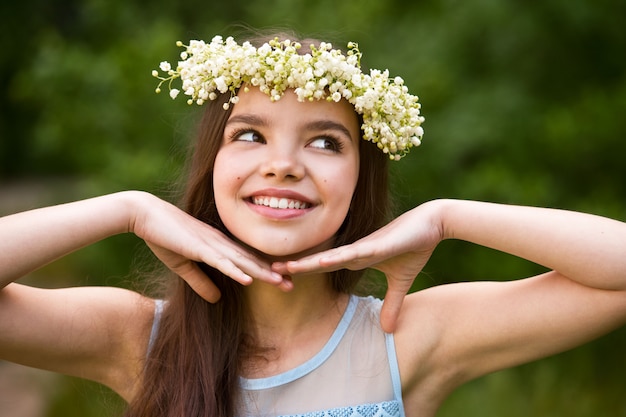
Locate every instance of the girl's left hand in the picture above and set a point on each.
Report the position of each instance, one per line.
(399, 250)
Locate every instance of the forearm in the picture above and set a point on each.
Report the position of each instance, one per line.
(32, 239)
(587, 248)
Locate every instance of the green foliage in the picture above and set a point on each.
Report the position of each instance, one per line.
(83, 398)
(523, 104)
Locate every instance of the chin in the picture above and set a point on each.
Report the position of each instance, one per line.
(276, 252)
(283, 254)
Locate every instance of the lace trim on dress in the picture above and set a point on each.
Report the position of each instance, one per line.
(384, 409)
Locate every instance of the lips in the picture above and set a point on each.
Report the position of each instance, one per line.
(280, 202)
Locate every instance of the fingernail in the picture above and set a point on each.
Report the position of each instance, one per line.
(287, 285)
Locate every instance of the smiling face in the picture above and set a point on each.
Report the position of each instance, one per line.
(286, 171)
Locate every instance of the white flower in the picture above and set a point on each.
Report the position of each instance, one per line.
(391, 116)
(165, 66)
(221, 85)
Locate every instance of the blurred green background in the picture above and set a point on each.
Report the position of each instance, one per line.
(523, 101)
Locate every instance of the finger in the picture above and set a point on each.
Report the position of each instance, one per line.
(286, 285)
(199, 282)
(228, 268)
(280, 268)
(331, 260)
(392, 305)
(243, 268)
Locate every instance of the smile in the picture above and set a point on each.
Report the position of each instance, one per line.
(280, 203)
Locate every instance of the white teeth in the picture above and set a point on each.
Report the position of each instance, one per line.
(280, 203)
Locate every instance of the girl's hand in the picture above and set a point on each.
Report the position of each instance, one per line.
(179, 240)
(399, 250)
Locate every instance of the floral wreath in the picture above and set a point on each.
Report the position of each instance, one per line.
(391, 116)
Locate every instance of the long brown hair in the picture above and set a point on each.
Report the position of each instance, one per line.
(195, 362)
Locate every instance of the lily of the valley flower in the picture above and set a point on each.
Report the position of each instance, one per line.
(391, 115)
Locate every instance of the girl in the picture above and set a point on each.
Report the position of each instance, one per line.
(282, 212)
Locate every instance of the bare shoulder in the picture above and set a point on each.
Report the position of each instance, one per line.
(453, 333)
(427, 315)
(98, 333)
(426, 339)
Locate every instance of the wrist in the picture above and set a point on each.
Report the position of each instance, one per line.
(433, 214)
(439, 212)
(134, 205)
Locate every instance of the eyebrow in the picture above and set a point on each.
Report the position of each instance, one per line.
(251, 119)
(256, 120)
(329, 125)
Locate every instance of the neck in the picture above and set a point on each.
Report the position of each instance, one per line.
(290, 328)
(287, 314)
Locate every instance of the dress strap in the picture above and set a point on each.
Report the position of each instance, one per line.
(395, 370)
(158, 311)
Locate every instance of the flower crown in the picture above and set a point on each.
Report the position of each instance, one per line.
(391, 116)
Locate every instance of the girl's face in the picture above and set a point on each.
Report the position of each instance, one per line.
(286, 171)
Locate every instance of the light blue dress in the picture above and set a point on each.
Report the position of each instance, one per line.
(354, 375)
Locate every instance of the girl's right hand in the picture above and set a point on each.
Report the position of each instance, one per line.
(400, 250)
(180, 241)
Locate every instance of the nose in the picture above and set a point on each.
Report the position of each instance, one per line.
(282, 163)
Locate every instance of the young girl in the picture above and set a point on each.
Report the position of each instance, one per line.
(282, 212)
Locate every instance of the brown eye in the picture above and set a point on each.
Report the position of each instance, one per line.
(326, 143)
(249, 136)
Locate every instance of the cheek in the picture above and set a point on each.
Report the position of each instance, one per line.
(339, 189)
(225, 183)
(342, 183)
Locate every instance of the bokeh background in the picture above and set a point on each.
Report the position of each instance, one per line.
(524, 103)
